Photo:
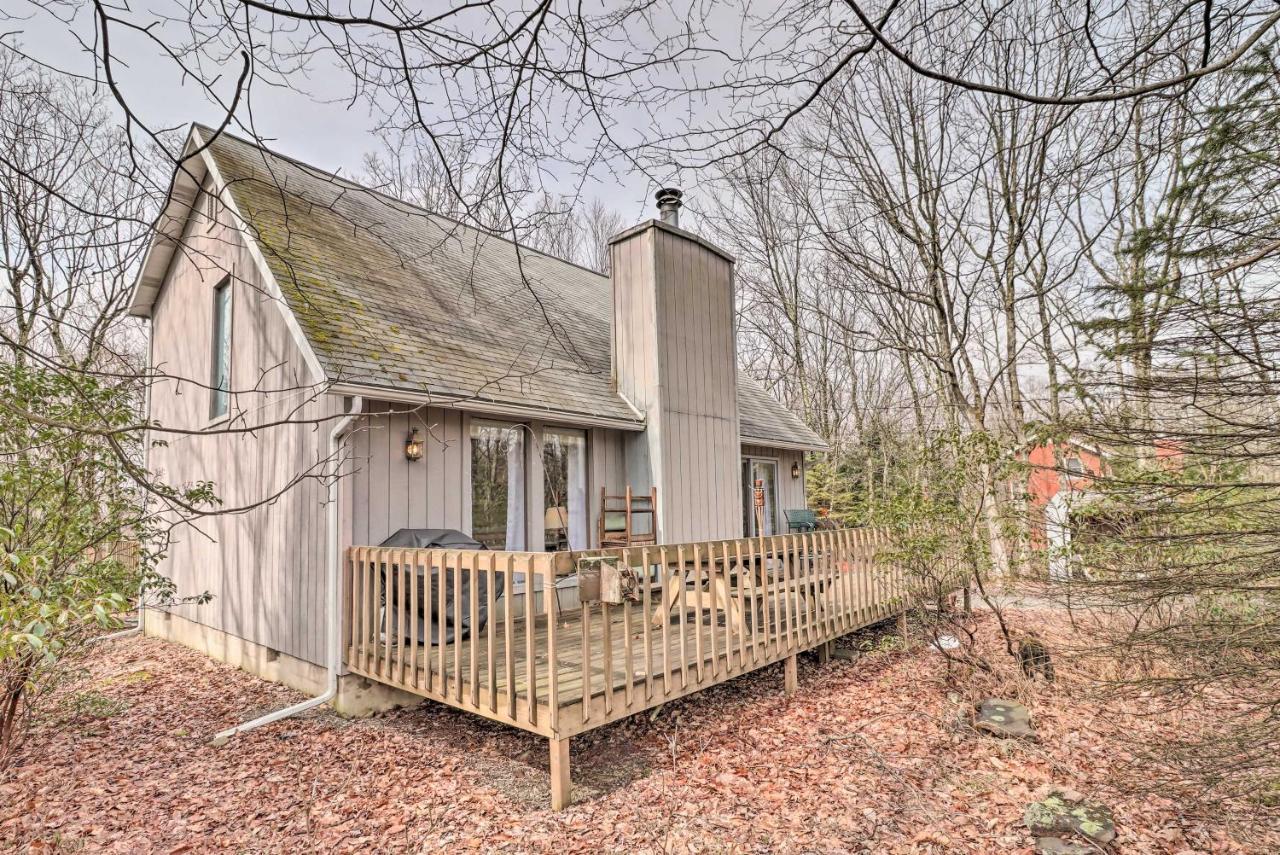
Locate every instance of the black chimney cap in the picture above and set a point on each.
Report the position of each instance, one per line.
(668, 195)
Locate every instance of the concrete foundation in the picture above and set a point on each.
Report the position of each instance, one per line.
(357, 696)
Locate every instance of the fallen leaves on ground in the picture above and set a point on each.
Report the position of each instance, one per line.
(871, 756)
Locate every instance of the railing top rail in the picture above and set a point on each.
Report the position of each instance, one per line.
(566, 562)
(448, 550)
(618, 550)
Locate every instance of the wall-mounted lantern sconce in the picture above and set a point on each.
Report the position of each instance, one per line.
(795, 470)
(413, 446)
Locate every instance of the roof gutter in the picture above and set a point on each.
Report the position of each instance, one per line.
(333, 594)
(491, 408)
(785, 445)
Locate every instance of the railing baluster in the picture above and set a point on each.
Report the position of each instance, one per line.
(428, 569)
(833, 579)
(803, 599)
(628, 669)
(791, 591)
(747, 584)
(530, 632)
(414, 631)
(384, 627)
(458, 677)
(827, 595)
(864, 596)
(646, 621)
(509, 634)
(816, 607)
(606, 654)
(395, 645)
(442, 622)
(733, 602)
(850, 568)
(473, 625)
(664, 570)
(768, 572)
(491, 609)
(842, 572)
(548, 572)
(700, 599)
(706, 600)
(684, 653)
(586, 662)
(770, 604)
(817, 613)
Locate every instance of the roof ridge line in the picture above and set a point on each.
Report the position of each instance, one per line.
(355, 185)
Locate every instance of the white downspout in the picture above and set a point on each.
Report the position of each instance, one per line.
(333, 595)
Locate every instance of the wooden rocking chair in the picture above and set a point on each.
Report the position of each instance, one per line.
(618, 517)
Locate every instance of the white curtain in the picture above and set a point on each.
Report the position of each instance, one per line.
(575, 446)
(515, 489)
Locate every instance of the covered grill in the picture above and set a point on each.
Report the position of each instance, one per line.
(442, 585)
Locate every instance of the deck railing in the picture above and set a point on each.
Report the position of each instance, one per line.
(395, 596)
(515, 642)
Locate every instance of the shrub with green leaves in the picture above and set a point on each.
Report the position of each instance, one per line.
(71, 521)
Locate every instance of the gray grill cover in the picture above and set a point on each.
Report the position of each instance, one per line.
(442, 538)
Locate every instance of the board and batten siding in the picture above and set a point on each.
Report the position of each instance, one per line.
(674, 359)
(264, 567)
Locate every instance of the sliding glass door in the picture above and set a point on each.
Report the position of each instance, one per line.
(501, 493)
(498, 507)
(564, 489)
(759, 474)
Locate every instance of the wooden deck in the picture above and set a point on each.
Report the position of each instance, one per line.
(703, 614)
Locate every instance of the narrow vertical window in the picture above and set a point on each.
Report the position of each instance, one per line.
(210, 210)
(220, 379)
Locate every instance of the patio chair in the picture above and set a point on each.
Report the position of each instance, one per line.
(801, 519)
(628, 520)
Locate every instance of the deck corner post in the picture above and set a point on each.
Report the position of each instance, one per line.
(790, 681)
(561, 785)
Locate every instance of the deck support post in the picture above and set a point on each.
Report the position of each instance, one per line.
(560, 781)
(790, 681)
(824, 653)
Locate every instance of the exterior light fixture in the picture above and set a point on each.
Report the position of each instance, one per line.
(413, 446)
(795, 470)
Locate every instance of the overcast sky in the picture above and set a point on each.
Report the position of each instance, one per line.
(317, 124)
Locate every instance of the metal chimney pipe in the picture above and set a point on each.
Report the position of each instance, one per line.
(669, 205)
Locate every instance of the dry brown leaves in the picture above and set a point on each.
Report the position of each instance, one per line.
(872, 756)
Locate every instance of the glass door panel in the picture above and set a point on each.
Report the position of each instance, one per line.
(763, 475)
(564, 490)
(497, 485)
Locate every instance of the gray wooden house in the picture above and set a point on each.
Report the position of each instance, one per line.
(400, 371)
(284, 296)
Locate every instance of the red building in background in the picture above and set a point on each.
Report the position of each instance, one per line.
(1081, 462)
(1060, 472)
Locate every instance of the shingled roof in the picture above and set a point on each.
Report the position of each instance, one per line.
(391, 296)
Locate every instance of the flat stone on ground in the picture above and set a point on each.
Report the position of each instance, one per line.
(1069, 821)
(1058, 846)
(1004, 718)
